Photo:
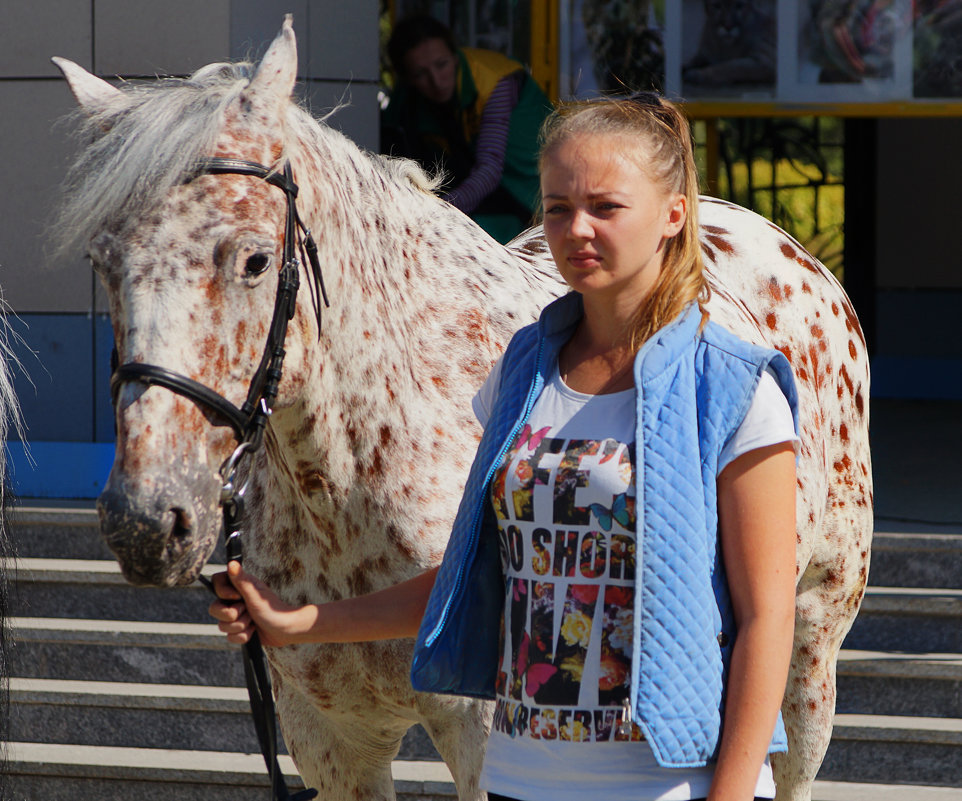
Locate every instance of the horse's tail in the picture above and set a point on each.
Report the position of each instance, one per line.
(6, 566)
(11, 422)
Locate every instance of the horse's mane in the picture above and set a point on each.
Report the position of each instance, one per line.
(139, 144)
(147, 138)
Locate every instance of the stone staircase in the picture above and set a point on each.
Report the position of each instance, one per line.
(128, 692)
(899, 710)
(124, 692)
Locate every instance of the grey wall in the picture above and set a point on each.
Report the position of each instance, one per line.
(65, 335)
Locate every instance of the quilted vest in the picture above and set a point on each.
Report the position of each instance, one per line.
(694, 389)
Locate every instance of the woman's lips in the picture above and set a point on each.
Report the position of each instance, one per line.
(584, 260)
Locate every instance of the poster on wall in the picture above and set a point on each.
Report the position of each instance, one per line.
(850, 51)
(808, 52)
(728, 49)
(937, 49)
(611, 46)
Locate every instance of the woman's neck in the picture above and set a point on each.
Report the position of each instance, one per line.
(597, 359)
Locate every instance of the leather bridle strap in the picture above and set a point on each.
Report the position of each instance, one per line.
(152, 375)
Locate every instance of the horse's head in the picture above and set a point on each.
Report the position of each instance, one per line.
(190, 262)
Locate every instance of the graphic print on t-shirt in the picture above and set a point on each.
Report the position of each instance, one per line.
(566, 526)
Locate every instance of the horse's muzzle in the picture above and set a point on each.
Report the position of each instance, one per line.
(161, 537)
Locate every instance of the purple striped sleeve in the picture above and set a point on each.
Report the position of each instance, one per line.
(492, 145)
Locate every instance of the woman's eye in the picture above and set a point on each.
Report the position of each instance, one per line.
(257, 263)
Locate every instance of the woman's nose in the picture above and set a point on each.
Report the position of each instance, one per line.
(581, 227)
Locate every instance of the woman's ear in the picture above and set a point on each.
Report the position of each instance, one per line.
(677, 213)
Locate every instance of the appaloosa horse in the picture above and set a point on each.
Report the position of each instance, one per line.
(372, 432)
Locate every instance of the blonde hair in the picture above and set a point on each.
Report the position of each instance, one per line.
(660, 134)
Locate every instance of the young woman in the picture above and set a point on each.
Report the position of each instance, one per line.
(621, 573)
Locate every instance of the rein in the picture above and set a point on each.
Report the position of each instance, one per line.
(248, 422)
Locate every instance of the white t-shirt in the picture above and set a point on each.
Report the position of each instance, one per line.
(565, 505)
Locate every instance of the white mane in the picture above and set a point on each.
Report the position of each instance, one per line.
(147, 138)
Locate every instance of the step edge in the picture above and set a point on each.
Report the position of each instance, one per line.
(58, 759)
(824, 790)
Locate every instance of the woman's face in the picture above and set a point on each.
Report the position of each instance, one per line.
(605, 220)
(431, 68)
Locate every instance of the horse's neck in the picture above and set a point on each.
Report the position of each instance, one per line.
(422, 303)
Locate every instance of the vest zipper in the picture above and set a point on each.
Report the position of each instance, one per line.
(624, 729)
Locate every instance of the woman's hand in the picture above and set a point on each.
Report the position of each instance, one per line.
(248, 605)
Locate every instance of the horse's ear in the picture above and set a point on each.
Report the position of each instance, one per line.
(91, 92)
(273, 83)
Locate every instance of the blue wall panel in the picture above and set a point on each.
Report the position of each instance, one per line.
(63, 387)
(55, 386)
(59, 469)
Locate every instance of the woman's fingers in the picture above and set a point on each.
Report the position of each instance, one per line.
(225, 612)
(238, 630)
(223, 587)
(247, 606)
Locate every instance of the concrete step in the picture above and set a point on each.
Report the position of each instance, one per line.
(913, 619)
(887, 683)
(57, 532)
(856, 791)
(889, 749)
(901, 556)
(118, 650)
(906, 559)
(96, 589)
(131, 673)
(137, 715)
(68, 773)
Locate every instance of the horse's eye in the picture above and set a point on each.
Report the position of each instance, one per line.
(258, 263)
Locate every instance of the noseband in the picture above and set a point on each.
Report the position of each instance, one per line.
(248, 422)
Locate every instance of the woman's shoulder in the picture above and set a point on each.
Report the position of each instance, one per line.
(490, 61)
(715, 335)
(755, 359)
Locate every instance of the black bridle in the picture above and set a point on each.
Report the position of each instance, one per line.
(248, 422)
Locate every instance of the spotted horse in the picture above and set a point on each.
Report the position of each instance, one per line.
(371, 435)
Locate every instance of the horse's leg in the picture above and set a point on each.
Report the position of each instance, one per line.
(459, 729)
(825, 608)
(349, 759)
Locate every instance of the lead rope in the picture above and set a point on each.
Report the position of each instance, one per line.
(256, 676)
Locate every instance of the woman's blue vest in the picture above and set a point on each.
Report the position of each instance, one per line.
(694, 389)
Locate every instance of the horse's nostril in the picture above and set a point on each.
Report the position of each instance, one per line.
(181, 531)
